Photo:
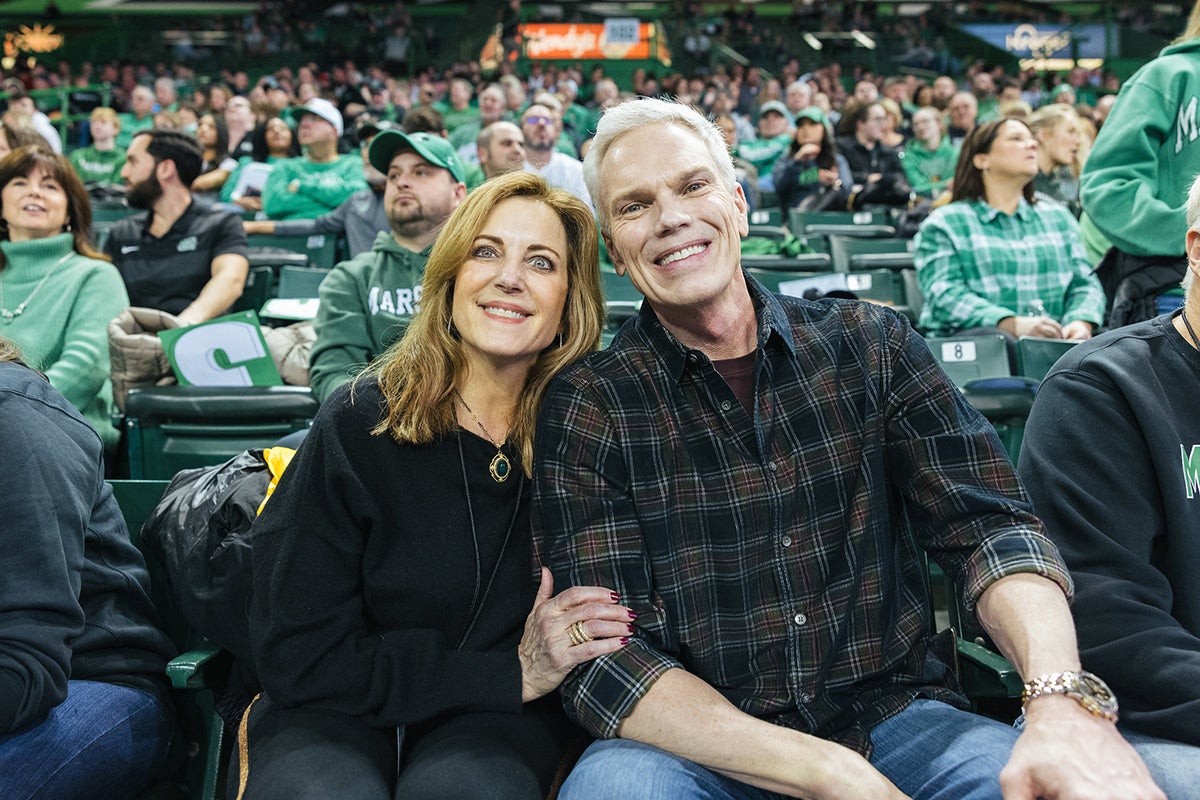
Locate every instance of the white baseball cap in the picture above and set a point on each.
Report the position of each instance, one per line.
(323, 109)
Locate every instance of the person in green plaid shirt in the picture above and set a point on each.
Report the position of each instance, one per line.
(994, 258)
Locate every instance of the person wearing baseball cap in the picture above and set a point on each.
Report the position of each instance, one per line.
(359, 218)
(320, 180)
(774, 139)
(367, 302)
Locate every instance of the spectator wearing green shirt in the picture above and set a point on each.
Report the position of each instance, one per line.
(457, 110)
(491, 109)
(139, 118)
(100, 162)
(774, 139)
(321, 179)
(929, 157)
(994, 258)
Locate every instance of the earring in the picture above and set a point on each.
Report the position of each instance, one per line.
(560, 339)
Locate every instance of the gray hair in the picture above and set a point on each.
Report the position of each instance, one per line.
(635, 114)
(1192, 208)
(802, 85)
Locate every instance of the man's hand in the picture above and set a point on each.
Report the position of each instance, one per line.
(1066, 753)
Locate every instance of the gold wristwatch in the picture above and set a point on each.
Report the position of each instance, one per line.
(1082, 687)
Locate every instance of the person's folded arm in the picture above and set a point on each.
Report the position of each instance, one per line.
(47, 500)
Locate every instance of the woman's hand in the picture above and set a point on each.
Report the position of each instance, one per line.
(548, 650)
(1077, 330)
(807, 151)
(1031, 326)
(829, 177)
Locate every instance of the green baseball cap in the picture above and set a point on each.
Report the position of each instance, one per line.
(812, 113)
(434, 149)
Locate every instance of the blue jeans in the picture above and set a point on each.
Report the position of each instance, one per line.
(1174, 766)
(930, 751)
(104, 741)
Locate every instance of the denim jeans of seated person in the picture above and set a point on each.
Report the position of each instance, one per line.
(1175, 767)
(931, 751)
(103, 741)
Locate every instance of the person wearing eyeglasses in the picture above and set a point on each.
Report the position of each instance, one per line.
(879, 178)
(541, 126)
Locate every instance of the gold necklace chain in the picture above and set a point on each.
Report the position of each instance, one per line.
(501, 467)
(9, 316)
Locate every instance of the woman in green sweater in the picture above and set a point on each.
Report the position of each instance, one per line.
(57, 292)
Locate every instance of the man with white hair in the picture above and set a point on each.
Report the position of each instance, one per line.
(797, 97)
(1127, 522)
(140, 116)
(755, 476)
(962, 110)
(320, 180)
(491, 109)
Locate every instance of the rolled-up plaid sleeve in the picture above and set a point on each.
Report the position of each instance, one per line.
(968, 507)
(587, 531)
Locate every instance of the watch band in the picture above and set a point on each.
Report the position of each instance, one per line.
(1083, 687)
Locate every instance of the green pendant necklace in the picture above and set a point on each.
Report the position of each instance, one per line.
(501, 467)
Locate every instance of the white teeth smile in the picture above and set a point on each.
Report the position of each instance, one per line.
(504, 312)
(679, 255)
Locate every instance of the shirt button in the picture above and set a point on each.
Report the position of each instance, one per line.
(805, 698)
(726, 405)
(800, 619)
(786, 541)
(772, 466)
(692, 358)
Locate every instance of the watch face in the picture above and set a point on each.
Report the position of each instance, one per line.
(1094, 694)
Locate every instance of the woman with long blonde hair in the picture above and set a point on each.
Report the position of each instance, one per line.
(392, 623)
(1062, 150)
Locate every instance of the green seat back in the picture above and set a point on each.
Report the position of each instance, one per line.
(1037, 355)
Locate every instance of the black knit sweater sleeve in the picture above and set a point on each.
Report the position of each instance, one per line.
(352, 609)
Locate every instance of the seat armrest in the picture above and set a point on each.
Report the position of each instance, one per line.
(985, 673)
(194, 669)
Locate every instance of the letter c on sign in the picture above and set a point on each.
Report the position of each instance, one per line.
(196, 351)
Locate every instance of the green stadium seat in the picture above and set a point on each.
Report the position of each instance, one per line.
(847, 223)
(766, 216)
(319, 248)
(169, 428)
(260, 285)
(884, 286)
(805, 262)
(196, 763)
(970, 358)
(857, 254)
(1036, 355)
(299, 281)
(776, 233)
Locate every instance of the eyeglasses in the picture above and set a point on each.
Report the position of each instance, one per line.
(539, 121)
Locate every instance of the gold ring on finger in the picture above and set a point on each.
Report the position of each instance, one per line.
(577, 633)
